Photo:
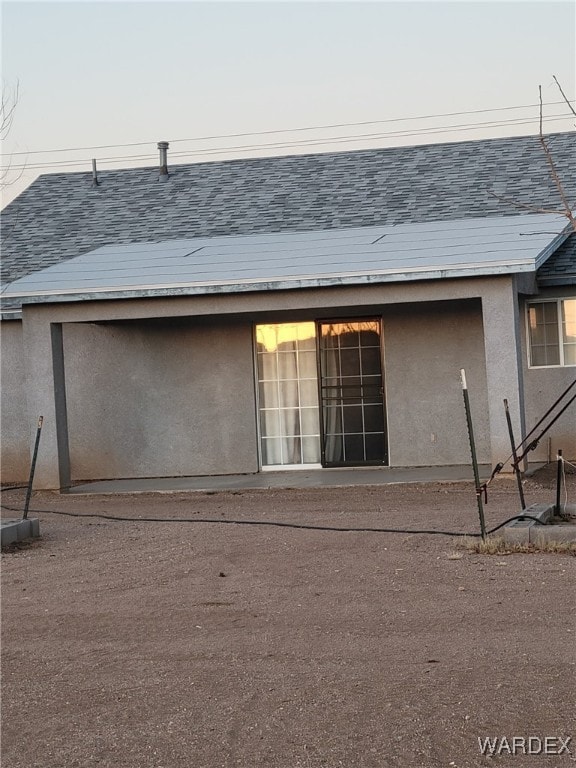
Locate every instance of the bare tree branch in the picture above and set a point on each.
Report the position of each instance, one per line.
(566, 99)
(532, 208)
(5, 173)
(554, 173)
(567, 209)
(8, 103)
(540, 96)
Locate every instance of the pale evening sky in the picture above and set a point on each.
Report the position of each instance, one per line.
(115, 73)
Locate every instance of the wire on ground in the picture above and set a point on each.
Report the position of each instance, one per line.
(273, 523)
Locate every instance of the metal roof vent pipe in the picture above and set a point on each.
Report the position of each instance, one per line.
(95, 182)
(163, 147)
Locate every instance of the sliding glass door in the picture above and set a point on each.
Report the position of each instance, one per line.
(352, 393)
(320, 394)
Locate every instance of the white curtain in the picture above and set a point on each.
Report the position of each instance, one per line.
(287, 376)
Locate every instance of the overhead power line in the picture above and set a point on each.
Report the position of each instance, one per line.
(312, 142)
(243, 148)
(291, 130)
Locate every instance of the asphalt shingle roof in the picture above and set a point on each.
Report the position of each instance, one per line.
(61, 216)
(560, 269)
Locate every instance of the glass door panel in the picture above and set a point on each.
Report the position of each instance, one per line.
(352, 393)
(288, 394)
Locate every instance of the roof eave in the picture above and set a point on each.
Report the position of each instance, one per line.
(11, 314)
(552, 280)
(553, 246)
(278, 285)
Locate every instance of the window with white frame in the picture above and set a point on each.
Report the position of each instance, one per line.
(552, 333)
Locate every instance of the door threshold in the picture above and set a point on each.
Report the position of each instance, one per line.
(289, 467)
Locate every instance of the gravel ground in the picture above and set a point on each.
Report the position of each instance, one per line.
(169, 645)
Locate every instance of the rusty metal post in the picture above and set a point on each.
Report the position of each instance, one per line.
(558, 510)
(515, 457)
(473, 453)
(33, 468)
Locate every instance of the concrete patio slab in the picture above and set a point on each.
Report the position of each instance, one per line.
(299, 478)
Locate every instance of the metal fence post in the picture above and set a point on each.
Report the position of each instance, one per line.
(473, 452)
(515, 457)
(33, 468)
(558, 510)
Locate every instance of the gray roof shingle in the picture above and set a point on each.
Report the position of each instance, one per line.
(560, 269)
(61, 216)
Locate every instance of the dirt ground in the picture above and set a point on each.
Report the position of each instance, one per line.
(200, 645)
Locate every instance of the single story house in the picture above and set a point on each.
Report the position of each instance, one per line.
(288, 312)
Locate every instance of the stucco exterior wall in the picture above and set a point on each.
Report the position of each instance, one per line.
(174, 398)
(156, 399)
(160, 399)
(543, 386)
(425, 348)
(14, 438)
(151, 341)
